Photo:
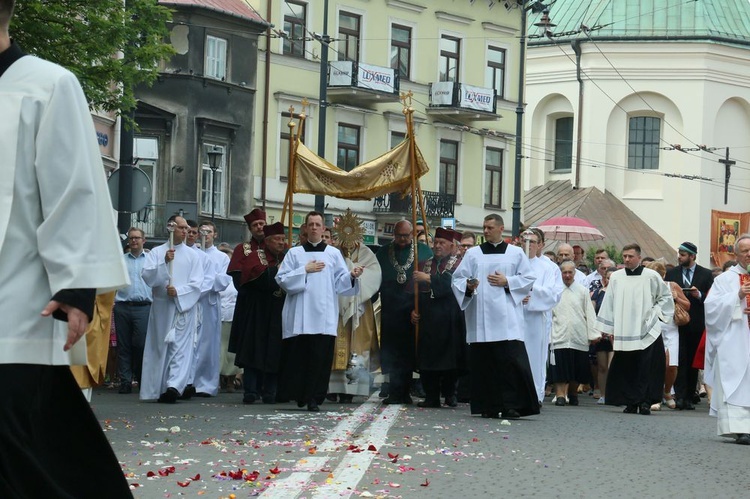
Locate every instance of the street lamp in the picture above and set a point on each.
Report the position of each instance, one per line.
(214, 162)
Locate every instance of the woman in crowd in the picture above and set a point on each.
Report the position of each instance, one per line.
(603, 347)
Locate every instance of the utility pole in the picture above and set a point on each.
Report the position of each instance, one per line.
(323, 95)
(516, 227)
(727, 173)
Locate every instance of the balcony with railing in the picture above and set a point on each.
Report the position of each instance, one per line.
(361, 84)
(436, 204)
(462, 101)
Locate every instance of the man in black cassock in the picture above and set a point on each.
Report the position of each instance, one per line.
(441, 347)
(256, 327)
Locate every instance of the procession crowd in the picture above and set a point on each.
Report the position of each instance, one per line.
(499, 325)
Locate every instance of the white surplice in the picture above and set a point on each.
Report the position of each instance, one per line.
(728, 353)
(207, 352)
(634, 308)
(492, 313)
(311, 305)
(57, 228)
(167, 356)
(544, 295)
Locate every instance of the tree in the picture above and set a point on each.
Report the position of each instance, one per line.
(87, 38)
(614, 254)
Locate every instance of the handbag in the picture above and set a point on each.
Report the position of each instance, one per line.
(681, 316)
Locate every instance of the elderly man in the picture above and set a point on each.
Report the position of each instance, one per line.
(255, 337)
(175, 274)
(397, 348)
(490, 285)
(312, 275)
(635, 305)
(538, 305)
(728, 346)
(442, 339)
(573, 321)
(58, 245)
(565, 252)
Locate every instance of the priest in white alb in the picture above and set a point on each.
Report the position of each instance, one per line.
(636, 304)
(728, 346)
(175, 275)
(312, 275)
(490, 285)
(537, 309)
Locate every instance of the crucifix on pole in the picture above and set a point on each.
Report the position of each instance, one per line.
(727, 173)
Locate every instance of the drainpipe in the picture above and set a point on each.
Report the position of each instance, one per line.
(266, 105)
(576, 44)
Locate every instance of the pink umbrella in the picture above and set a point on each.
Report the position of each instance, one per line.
(569, 229)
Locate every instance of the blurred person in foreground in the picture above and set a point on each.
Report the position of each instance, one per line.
(58, 248)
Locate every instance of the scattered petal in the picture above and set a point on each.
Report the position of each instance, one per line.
(184, 484)
(425, 484)
(372, 448)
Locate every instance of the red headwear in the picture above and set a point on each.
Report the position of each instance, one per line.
(273, 229)
(444, 233)
(256, 214)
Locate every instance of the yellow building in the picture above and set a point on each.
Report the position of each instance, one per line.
(460, 59)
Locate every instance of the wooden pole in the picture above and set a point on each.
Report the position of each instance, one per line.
(409, 111)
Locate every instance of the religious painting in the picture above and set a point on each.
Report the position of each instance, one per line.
(725, 228)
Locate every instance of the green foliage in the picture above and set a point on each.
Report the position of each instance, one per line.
(86, 37)
(614, 253)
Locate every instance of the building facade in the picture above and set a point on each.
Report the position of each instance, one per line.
(459, 59)
(204, 100)
(642, 100)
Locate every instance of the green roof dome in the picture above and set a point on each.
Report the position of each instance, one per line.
(726, 21)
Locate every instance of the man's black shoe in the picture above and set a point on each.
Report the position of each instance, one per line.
(572, 399)
(679, 404)
(331, 397)
(203, 395)
(511, 414)
(429, 404)
(743, 439)
(125, 387)
(689, 406)
(170, 396)
(451, 401)
(385, 389)
(645, 409)
(188, 393)
(631, 409)
(312, 406)
(269, 399)
(345, 399)
(392, 400)
(249, 398)
(491, 415)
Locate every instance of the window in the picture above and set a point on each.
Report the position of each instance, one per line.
(564, 143)
(295, 21)
(450, 49)
(401, 50)
(643, 143)
(284, 141)
(493, 177)
(213, 184)
(216, 57)
(347, 156)
(448, 167)
(495, 72)
(349, 36)
(397, 138)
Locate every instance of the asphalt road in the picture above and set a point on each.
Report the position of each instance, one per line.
(219, 448)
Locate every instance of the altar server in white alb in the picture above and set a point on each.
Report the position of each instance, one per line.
(728, 346)
(312, 275)
(175, 276)
(58, 247)
(207, 355)
(537, 309)
(636, 304)
(490, 285)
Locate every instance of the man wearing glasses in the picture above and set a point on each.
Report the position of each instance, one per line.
(175, 274)
(397, 348)
(132, 307)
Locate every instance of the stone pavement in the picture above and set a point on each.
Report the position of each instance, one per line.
(220, 448)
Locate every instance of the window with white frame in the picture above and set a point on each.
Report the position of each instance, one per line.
(450, 57)
(564, 143)
(493, 177)
(213, 184)
(295, 22)
(644, 134)
(448, 167)
(216, 57)
(401, 50)
(397, 138)
(347, 157)
(349, 36)
(495, 71)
